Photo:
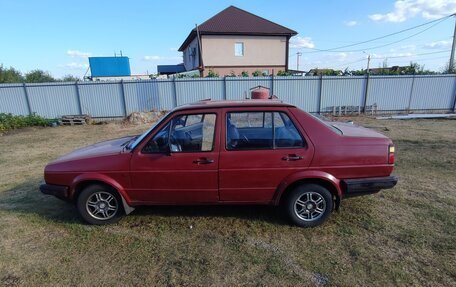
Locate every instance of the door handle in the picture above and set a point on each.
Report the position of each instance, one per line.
(292, 157)
(203, 161)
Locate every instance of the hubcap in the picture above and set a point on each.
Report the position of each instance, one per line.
(310, 206)
(102, 205)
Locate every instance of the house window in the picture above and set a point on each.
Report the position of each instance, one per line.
(239, 49)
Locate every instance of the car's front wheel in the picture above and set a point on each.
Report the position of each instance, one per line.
(98, 204)
(309, 205)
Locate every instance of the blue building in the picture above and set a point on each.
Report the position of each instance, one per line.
(112, 68)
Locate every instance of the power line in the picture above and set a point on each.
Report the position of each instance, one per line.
(394, 57)
(382, 37)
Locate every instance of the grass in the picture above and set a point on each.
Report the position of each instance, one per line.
(403, 236)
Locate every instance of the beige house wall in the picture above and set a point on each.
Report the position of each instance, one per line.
(191, 55)
(226, 71)
(218, 50)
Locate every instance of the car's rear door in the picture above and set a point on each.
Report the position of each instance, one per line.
(259, 148)
(179, 162)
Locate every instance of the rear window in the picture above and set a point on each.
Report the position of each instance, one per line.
(327, 123)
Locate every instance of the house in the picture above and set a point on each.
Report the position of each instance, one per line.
(237, 41)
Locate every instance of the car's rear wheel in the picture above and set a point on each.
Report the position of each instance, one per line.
(98, 204)
(309, 205)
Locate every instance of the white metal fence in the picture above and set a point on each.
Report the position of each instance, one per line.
(313, 94)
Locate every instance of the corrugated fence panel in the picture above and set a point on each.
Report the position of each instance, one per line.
(238, 88)
(433, 92)
(141, 96)
(109, 99)
(389, 92)
(12, 99)
(166, 94)
(53, 100)
(193, 90)
(342, 91)
(303, 92)
(102, 99)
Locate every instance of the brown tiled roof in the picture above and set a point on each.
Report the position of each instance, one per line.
(235, 21)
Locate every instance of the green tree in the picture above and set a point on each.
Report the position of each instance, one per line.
(38, 76)
(70, 78)
(10, 75)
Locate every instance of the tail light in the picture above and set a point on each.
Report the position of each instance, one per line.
(391, 154)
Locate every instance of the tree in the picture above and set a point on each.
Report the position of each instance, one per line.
(38, 76)
(10, 75)
(70, 78)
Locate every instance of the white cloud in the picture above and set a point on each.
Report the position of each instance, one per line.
(76, 66)
(438, 45)
(406, 9)
(78, 54)
(173, 49)
(351, 23)
(160, 58)
(152, 58)
(301, 42)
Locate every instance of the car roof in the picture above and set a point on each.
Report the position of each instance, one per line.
(208, 104)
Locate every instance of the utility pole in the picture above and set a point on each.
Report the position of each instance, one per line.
(368, 62)
(451, 64)
(298, 54)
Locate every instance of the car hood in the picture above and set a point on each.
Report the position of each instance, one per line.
(352, 130)
(110, 147)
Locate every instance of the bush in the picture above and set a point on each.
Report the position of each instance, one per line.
(9, 121)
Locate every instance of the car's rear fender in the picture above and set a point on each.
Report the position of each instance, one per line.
(311, 176)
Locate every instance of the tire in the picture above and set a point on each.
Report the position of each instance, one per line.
(98, 204)
(309, 205)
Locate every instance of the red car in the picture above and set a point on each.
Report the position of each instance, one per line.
(227, 152)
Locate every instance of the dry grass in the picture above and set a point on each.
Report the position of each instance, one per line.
(404, 236)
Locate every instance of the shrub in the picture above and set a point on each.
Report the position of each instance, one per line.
(257, 73)
(9, 121)
(244, 74)
(212, 74)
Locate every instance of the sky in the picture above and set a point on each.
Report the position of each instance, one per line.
(58, 36)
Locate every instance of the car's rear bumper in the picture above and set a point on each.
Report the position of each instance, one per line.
(59, 191)
(364, 186)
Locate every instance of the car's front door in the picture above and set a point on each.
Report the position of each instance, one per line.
(260, 148)
(179, 162)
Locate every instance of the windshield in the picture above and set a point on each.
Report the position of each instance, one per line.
(133, 144)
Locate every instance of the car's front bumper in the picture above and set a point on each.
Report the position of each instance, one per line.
(59, 191)
(364, 186)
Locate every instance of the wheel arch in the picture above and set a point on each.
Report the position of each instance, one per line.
(324, 179)
(85, 180)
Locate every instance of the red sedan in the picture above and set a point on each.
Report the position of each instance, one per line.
(227, 152)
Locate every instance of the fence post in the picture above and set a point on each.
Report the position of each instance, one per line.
(411, 94)
(454, 93)
(78, 97)
(320, 94)
(272, 84)
(224, 88)
(174, 92)
(366, 91)
(29, 106)
(124, 102)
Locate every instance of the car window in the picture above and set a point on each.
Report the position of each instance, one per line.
(186, 133)
(286, 135)
(261, 130)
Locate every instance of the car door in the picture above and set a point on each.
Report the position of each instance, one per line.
(179, 162)
(260, 147)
